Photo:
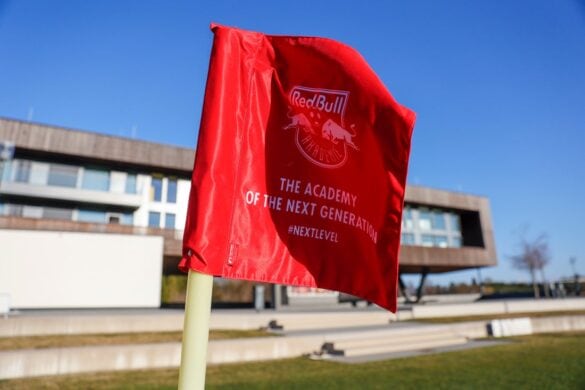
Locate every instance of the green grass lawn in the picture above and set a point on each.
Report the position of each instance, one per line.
(555, 361)
(75, 340)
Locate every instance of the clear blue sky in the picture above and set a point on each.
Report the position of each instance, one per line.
(498, 86)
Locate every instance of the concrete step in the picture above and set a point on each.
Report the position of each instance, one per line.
(303, 321)
(74, 360)
(394, 340)
(412, 346)
(393, 332)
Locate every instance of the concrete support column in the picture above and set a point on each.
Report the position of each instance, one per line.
(423, 277)
(276, 296)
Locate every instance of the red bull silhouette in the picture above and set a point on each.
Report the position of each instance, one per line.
(335, 133)
(299, 121)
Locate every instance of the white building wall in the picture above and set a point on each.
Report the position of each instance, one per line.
(163, 207)
(143, 190)
(183, 190)
(39, 173)
(118, 182)
(42, 269)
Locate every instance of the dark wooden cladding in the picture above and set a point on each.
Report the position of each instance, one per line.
(38, 138)
(414, 258)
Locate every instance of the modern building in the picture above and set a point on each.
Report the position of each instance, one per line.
(444, 231)
(90, 220)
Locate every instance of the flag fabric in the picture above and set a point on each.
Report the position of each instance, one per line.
(300, 169)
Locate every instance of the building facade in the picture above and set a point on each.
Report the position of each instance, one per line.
(122, 203)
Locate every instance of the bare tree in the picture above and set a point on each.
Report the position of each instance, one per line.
(533, 256)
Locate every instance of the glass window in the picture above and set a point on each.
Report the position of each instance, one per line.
(22, 171)
(127, 219)
(131, 184)
(171, 191)
(63, 175)
(156, 189)
(39, 173)
(117, 182)
(96, 179)
(169, 221)
(14, 210)
(57, 213)
(434, 240)
(6, 170)
(456, 242)
(407, 219)
(427, 240)
(407, 239)
(441, 241)
(32, 212)
(438, 220)
(455, 223)
(154, 219)
(91, 216)
(1, 208)
(424, 220)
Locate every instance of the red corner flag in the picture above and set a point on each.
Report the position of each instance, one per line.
(300, 169)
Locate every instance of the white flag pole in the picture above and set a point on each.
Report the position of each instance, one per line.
(195, 331)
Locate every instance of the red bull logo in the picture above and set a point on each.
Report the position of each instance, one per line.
(317, 116)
